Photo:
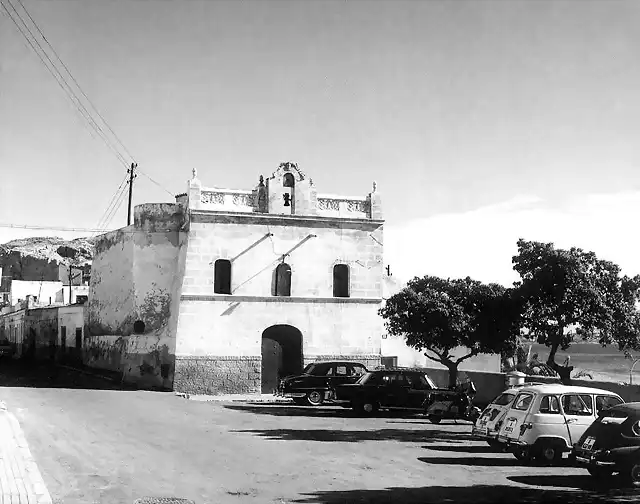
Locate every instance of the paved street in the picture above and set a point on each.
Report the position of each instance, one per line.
(110, 446)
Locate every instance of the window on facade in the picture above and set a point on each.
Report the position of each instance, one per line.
(63, 336)
(282, 280)
(222, 276)
(341, 280)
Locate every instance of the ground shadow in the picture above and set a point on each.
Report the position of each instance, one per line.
(308, 411)
(19, 373)
(470, 494)
(351, 436)
(463, 449)
(613, 485)
(471, 461)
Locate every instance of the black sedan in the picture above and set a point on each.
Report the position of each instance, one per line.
(399, 389)
(611, 444)
(317, 381)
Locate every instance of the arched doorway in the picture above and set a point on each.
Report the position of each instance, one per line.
(281, 355)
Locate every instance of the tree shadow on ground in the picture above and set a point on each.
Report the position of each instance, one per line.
(464, 449)
(471, 461)
(18, 373)
(352, 436)
(470, 494)
(613, 485)
(307, 411)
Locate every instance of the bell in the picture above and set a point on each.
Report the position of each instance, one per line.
(287, 199)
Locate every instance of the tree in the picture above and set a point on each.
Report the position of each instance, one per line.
(569, 293)
(438, 315)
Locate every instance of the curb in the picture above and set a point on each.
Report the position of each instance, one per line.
(234, 398)
(30, 468)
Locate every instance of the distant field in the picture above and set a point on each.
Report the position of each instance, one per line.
(604, 362)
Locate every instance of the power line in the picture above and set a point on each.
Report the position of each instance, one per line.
(111, 202)
(51, 228)
(60, 80)
(156, 183)
(116, 208)
(76, 83)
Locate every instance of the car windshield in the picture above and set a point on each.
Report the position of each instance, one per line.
(503, 399)
(366, 378)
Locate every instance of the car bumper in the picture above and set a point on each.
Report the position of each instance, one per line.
(291, 395)
(483, 434)
(511, 441)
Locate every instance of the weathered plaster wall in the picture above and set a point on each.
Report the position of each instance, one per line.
(41, 332)
(71, 318)
(220, 336)
(146, 288)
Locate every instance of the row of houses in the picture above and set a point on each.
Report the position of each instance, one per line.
(226, 290)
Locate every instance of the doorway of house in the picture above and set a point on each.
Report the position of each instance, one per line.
(281, 355)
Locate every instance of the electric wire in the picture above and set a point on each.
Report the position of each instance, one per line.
(115, 196)
(61, 81)
(117, 138)
(155, 182)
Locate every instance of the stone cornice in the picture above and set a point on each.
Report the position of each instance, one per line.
(278, 299)
(213, 216)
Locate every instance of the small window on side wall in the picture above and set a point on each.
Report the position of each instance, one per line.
(341, 280)
(282, 280)
(222, 276)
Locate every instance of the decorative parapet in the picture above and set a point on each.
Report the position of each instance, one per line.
(341, 206)
(232, 200)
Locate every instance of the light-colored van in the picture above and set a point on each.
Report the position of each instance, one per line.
(544, 421)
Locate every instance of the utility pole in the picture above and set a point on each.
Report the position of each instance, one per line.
(132, 175)
(70, 281)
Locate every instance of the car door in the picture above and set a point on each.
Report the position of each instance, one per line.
(579, 414)
(418, 390)
(396, 390)
(341, 375)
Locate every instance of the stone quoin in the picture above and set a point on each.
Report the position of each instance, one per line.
(227, 290)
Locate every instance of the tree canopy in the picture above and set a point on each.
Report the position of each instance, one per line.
(569, 293)
(438, 315)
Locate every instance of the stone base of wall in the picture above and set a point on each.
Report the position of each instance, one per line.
(218, 375)
(370, 361)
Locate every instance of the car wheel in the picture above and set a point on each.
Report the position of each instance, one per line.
(315, 398)
(549, 453)
(436, 419)
(496, 445)
(600, 472)
(523, 454)
(631, 474)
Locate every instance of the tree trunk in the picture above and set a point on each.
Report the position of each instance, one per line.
(453, 374)
(564, 372)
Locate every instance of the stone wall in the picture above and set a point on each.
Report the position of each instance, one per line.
(134, 297)
(218, 375)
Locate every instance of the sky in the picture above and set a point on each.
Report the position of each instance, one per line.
(482, 122)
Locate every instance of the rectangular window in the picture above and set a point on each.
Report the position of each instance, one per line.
(63, 336)
(389, 362)
(78, 337)
(577, 404)
(222, 276)
(550, 405)
(341, 280)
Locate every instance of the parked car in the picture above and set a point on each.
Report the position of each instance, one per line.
(612, 444)
(544, 421)
(317, 381)
(398, 388)
(487, 426)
